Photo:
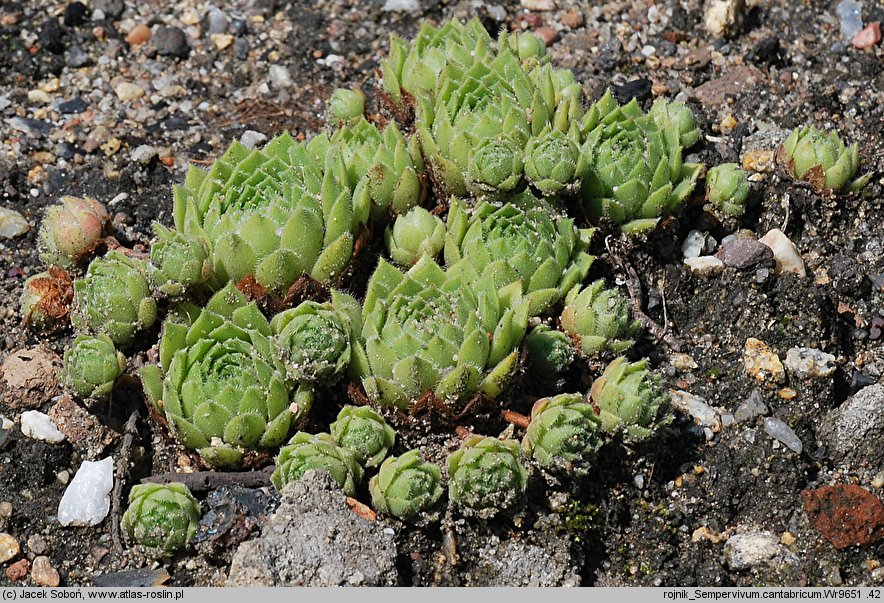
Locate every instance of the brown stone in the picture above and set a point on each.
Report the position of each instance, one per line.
(139, 35)
(43, 573)
(846, 515)
(82, 429)
(18, 570)
(549, 35)
(736, 81)
(744, 253)
(29, 377)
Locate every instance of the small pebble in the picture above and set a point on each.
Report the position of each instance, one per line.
(221, 40)
(5, 509)
(785, 253)
(127, 91)
(37, 425)
(697, 408)
(171, 41)
(18, 570)
(43, 573)
(704, 265)
(8, 547)
(868, 37)
(402, 5)
(217, 21)
(539, 4)
(850, 17)
(744, 253)
(37, 544)
(280, 76)
(251, 139)
(38, 97)
(12, 223)
(762, 363)
(86, 501)
(139, 35)
(143, 154)
(778, 430)
(692, 246)
(810, 363)
(752, 407)
(723, 17)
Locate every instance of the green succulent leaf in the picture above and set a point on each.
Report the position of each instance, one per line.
(823, 160)
(413, 235)
(345, 106)
(727, 188)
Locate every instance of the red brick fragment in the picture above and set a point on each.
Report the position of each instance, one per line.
(18, 570)
(846, 515)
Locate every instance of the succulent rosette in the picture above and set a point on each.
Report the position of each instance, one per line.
(406, 486)
(486, 473)
(387, 166)
(413, 235)
(823, 160)
(161, 516)
(522, 244)
(345, 106)
(564, 429)
(71, 231)
(364, 431)
(597, 320)
(306, 451)
(630, 399)
(666, 114)
(46, 299)
(314, 338)
(180, 263)
(428, 330)
(114, 298)
(221, 382)
(92, 365)
(551, 161)
(275, 213)
(550, 352)
(632, 169)
(727, 188)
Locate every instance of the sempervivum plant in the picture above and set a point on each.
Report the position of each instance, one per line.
(71, 231)
(550, 352)
(666, 114)
(345, 106)
(306, 451)
(632, 168)
(630, 399)
(275, 213)
(383, 163)
(486, 473)
(163, 517)
(92, 365)
(597, 319)
(727, 188)
(521, 241)
(314, 338)
(365, 432)
(46, 299)
(551, 161)
(413, 235)
(180, 263)
(448, 333)
(406, 486)
(563, 429)
(220, 381)
(114, 298)
(822, 159)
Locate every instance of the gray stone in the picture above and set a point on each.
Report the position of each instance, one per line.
(809, 363)
(112, 9)
(752, 407)
(744, 253)
(314, 539)
(778, 430)
(216, 21)
(853, 433)
(752, 549)
(171, 41)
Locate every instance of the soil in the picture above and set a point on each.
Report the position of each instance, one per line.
(664, 512)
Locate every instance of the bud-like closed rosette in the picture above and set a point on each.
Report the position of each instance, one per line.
(406, 486)
(495, 165)
(314, 338)
(666, 114)
(432, 331)
(365, 432)
(71, 231)
(486, 473)
(520, 244)
(823, 160)
(564, 429)
(551, 162)
(92, 365)
(46, 299)
(630, 399)
(550, 352)
(727, 188)
(275, 213)
(597, 320)
(632, 169)
(306, 451)
(181, 263)
(164, 517)
(114, 298)
(221, 382)
(383, 163)
(345, 106)
(413, 235)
